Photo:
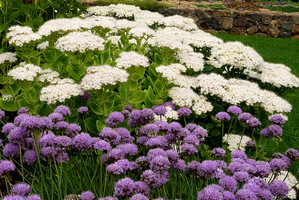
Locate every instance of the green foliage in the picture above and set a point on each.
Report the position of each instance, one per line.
(288, 9)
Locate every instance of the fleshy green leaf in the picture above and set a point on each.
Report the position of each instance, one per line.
(137, 97)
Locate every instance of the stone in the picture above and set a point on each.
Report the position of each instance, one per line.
(204, 25)
(274, 28)
(285, 35)
(226, 13)
(252, 30)
(240, 22)
(296, 37)
(296, 19)
(172, 11)
(238, 30)
(295, 29)
(264, 29)
(227, 23)
(256, 17)
(213, 23)
(266, 19)
(201, 14)
(286, 26)
(217, 14)
(262, 34)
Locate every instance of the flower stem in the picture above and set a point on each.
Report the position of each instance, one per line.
(262, 148)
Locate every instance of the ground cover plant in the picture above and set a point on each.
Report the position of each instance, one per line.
(87, 116)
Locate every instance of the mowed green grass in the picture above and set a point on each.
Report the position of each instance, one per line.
(285, 51)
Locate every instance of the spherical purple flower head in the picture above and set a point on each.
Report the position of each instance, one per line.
(243, 117)
(174, 127)
(279, 188)
(188, 149)
(160, 163)
(47, 152)
(21, 189)
(172, 155)
(263, 169)
(211, 192)
(47, 122)
(260, 182)
(33, 197)
(6, 166)
(221, 164)
(62, 157)
(228, 195)
(265, 132)
(264, 194)
(17, 134)
(129, 108)
(170, 104)
(87, 195)
(128, 149)
(115, 169)
(133, 166)
(114, 119)
(251, 169)
(191, 126)
(64, 110)
(11, 150)
(179, 165)
(275, 130)
(86, 96)
(110, 135)
(149, 130)
(2, 114)
(139, 196)
(183, 133)
(239, 160)
(193, 167)
(161, 179)
(219, 152)
(170, 138)
(157, 142)
(147, 115)
(23, 110)
(219, 173)
(292, 154)
(234, 167)
(32, 123)
(228, 183)
(82, 110)
(29, 157)
(116, 154)
(142, 188)
(238, 154)
(13, 197)
(56, 117)
(160, 110)
(200, 133)
(82, 142)
(159, 198)
(253, 122)
(241, 177)
(149, 177)
(63, 141)
(277, 119)
(184, 112)
(134, 118)
(61, 125)
(163, 126)
(47, 139)
(252, 187)
(222, 116)
(142, 140)
(191, 139)
(250, 144)
(278, 165)
(142, 161)
(73, 129)
(125, 135)
(19, 118)
(124, 187)
(235, 110)
(7, 128)
(154, 153)
(207, 167)
(245, 194)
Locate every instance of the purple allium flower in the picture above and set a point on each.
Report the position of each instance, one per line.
(193, 167)
(250, 144)
(159, 198)
(172, 155)
(292, 154)
(128, 149)
(218, 152)
(47, 122)
(275, 129)
(179, 165)
(47, 152)
(126, 113)
(277, 119)
(13, 197)
(125, 135)
(110, 135)
(191, 139)
(142, 161)
(32, 123)
(160, 110)
(129, 108)
(7, 128)
(253, 122)
(34, 197)
(235, 167)
(82, 142)
(188, 149)
(264, 194)
(161, 179)
(63, 141)
(56, 117)
(235, 110)
(239, 154)
(211, 192)
(228, 196)
(123, 187)
(241, 177)
(260, 182)
(170, 104)
(11, 150)
(200, 133)
(163, 126)
(278, 165)
(61, 125)
(156, 142)
(17, 134)
(2, 114)
(139, 196)
(252, 186)
(154, 153)
(6, 166)
(19, 118)
(142, 187)
(47, 139)
(265, 132)
(228, 183)
(133, 166)
(86, 96)
(115, 169)
(116, 154)
(147, 115)
(174, 127)
(142, 140)
(160, 163)
(184, 112)
(279, 188)
(222, 116)
(243, 117)
(149, 177)
(62, 157)
(124, 164)
(82, 110)
(108, 198)
(29, 157)
(149, 130)
(263, 169)
(245, 194)
(114, 119)
(73, 129)
(170, 138)
(23, 110)
(191, 126)
(207, 167)
(21, 189)
(64, 110)
(221, 164)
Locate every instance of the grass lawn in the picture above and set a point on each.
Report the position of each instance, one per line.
(285, 51)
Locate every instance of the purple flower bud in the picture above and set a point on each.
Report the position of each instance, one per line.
(276, 130)
(228, 196)
(263, 169)
(238, 154)
(125, 135)
(241, 177)
(157, 142)
(279, 188)
(7, 128)
(13, 197)
(228, 183)
(62, 157)
(235, 110)
(110, 135)
(128, 149)
(219, 152)
(6, 166)
(116, 154)
(278, 165)
(2, 114)
(87, 195)
(184, 112)
(23, 110)
(11, 150)
(86, 96)
(211, 192)
(82, 142)
(207, 167)
(33, 197)
(63, 141)
(114, 119)
(73, 129)
(64, 110)
(253, 122)
(174, 127)
(191, 139)
(160, 110)
(191, 127)
(244, 194)
(142, 187)
(243, 117)
(277, 119)
(172, 155)
(139, 196)
(160, 163)
(56, 117)
(179, 165)
(82, 110)
(188, 149)
(222, 116)
(61, 125)
(29, 157)
(193, 167)
(292, 154)
(147, 115)
(123, 187)
(21, 189)
(250, 144)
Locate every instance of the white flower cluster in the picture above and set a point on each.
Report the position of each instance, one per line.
(25, 72)
(19, 35)
(171, 114)
(234, 140)
(123, 11)
(141, 31)
(48, 75)
(290, 180)
(132, 58)
(192, 60)
(103, 75)
(43, 45)
(59, 92)
(80, 41)
(201, 39)
(7, 57)
(148, 18)
(180, 22)
(236, 55)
